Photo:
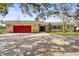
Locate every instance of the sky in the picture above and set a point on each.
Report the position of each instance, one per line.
(15, 13)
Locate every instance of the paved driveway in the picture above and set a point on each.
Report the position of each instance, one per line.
(31, 44)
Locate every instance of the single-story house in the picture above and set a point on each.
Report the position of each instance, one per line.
(34, 26)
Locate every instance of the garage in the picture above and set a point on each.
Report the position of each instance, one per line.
(21, 29)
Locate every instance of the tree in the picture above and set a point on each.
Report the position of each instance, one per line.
(41, 10)
(4, 9)
(64, 14)
(76, 16)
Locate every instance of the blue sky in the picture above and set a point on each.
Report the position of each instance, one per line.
(15, 12)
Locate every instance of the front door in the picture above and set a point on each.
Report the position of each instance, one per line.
(42, 28)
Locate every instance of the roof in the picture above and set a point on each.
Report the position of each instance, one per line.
(19, 22)
(30, 22)
(61, 23)
(57, 23)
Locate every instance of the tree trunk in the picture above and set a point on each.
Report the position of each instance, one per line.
(64, 25)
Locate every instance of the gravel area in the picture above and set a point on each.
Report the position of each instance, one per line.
(38, 44)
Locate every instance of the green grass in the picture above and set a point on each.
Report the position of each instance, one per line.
(1, 30)
(65, 33)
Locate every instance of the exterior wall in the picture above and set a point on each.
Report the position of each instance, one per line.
(35, 27)
(67, 27)
(57, 29)
(48, 27)
(9, 28)
(70, 28)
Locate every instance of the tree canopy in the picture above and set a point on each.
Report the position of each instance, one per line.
(4, 8)
(41, 10)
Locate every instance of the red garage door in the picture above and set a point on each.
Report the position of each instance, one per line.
(21, 29)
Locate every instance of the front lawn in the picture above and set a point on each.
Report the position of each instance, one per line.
(1, 30)
(65, 33)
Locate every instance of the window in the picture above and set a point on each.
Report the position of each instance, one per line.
(55, 28)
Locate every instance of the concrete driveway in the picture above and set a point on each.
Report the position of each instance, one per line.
(32, 44)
